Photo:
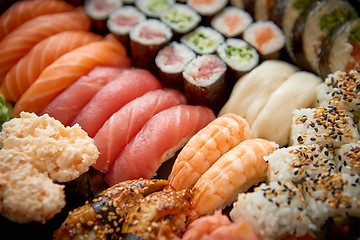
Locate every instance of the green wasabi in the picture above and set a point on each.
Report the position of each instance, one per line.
(240, 54)
(176, 17)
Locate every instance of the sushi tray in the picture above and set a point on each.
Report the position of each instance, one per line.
(180, 119)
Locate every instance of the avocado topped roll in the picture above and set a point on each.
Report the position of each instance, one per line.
(231, 21)
(153, 8)
(181, 18)
(204, 81)
(203, 40)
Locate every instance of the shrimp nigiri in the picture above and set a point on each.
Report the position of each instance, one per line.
(206, 147)
(235, 172)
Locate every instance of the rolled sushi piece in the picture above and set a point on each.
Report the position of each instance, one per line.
(313, 26)
(205, 82)
(262, 9)
(331, 127)
(203, 40)
(171, 61)
(207, 8)
(341, 49)
(122, 20)
(348, 157)
(240, 58)
(276, 11)
(153, 8)
(231, 22)
(146, 39)
(296, 163)
(181, 18)
(274, 210)
(335, 195)
(99, 11)
(266, 37)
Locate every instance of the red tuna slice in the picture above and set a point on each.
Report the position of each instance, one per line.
(131, 83)
(69, 103)
(123, 125)
(157, 141)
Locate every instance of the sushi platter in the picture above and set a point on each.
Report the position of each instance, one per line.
(180, 119)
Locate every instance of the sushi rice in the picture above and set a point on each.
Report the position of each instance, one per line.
(348, 158)
(101, 9)
(153, 8)
(116, 24)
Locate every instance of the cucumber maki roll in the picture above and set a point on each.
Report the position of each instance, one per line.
(203, 40)
(341, 49)
(153, 8)
(204, 82)
(313, 26)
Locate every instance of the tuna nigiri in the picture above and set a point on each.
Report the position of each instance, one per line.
(28, 69)
(23, 11)
(67, 105)
(123, 125)
(207, 146)
(157, 141)
(130, 84)
(20, 41)
(236, 171)
(66, 70)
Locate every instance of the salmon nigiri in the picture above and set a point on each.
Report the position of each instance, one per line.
(236, 171)
(23, 11)
(66, 70)
(123, 125)
(130, 84)
(29, 68)
(20, 41)
(157, 141)
(67, 105)
(207, 146)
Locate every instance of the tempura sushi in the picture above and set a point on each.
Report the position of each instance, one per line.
(231, 21)
(153, 8)
(239, 56)
(171, 61)
(205, 81)
(203, 40)
(330, 126)
(146, 39)
(122, 20)
(266, 37)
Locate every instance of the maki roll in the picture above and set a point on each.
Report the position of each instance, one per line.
(266, 37)
(341, 49)
(181, 18)
(203, 40)
(348, 157)
(171, 61)
(231, 21)
(329, 126)
(122, 20)
(313, 26)
(239, 56)
(204, 82)
(153, 8)
(99, 11)
(146, 39)
(207, 8)
(262, 9)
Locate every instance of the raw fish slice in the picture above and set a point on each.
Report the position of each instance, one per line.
(130, 84)
(206, 147)
(28, 69)
(20, 41)
(23, 11)
(66, 70)
(157, 141)
(123, 125)
(236, 171)
(69, 103)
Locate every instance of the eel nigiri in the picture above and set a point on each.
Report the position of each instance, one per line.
(67, 105)
(206, 147)
(20, 41)
(66, 70)
(123, 125)
(236, 171)
(130, 84)
(157, 141)
(23, 11)
(28, 68)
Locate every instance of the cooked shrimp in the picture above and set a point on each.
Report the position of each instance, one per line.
(207, 146)
(235, 172)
